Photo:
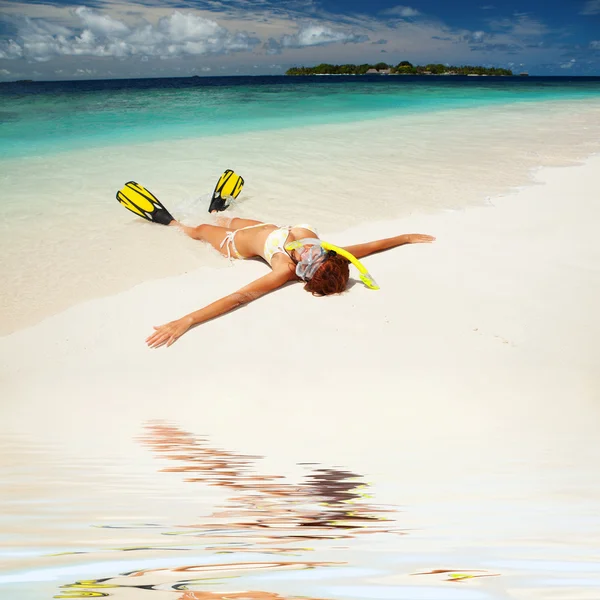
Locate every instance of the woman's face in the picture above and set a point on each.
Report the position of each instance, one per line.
(302, 252)
(309, 258)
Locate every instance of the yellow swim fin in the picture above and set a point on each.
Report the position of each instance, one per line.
(143, 203)
(229, 186)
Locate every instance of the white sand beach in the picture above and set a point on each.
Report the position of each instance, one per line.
(466, 389)
(517, 279)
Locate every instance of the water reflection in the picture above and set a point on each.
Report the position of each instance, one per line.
(161, 580)
(456, 575)
(236, 596)
(328, 503)
(264, 515)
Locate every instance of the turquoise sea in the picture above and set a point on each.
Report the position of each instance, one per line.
(47, 117)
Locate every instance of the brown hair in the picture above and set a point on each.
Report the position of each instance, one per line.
(331, 277)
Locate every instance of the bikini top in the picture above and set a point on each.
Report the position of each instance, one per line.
(276, 240)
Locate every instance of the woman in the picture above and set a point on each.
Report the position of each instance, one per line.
(294, 253)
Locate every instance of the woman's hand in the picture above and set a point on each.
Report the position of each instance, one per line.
(168, 333)
(368, 248)
(419, 238)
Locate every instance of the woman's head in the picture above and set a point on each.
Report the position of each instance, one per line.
(331, 277)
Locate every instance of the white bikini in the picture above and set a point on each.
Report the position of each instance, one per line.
(273, 244)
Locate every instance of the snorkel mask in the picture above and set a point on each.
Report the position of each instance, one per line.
(312, 257)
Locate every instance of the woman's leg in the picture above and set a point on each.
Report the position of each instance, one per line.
(213, 234)
(236, 223)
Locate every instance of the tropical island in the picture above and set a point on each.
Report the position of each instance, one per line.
(403, 68)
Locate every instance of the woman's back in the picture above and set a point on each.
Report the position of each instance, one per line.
(268, 241)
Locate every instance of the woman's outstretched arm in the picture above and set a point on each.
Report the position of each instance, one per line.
(362, 250)
(168, 333)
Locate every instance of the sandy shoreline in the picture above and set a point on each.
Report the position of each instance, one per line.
(66, 240)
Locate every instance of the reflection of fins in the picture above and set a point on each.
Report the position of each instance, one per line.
(229, 186)
(143, 203)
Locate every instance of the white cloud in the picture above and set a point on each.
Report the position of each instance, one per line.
(10, 50)
(98, 24)
(190, 28)
(591, 7)
(568, 65)
(313, 35)
(521, 25)
(178, 34)
(595, 45)
(401, 11)
(316, 35)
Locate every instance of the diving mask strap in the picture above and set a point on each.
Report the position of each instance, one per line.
(363, 273)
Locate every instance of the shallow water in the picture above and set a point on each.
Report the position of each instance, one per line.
(42, 118)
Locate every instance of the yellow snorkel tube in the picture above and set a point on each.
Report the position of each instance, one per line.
(364, 275)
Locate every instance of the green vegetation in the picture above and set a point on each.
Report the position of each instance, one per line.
(403, 68)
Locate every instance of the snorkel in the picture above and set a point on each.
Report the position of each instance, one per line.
(310, 260)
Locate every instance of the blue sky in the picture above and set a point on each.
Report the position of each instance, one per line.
(65, 39)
